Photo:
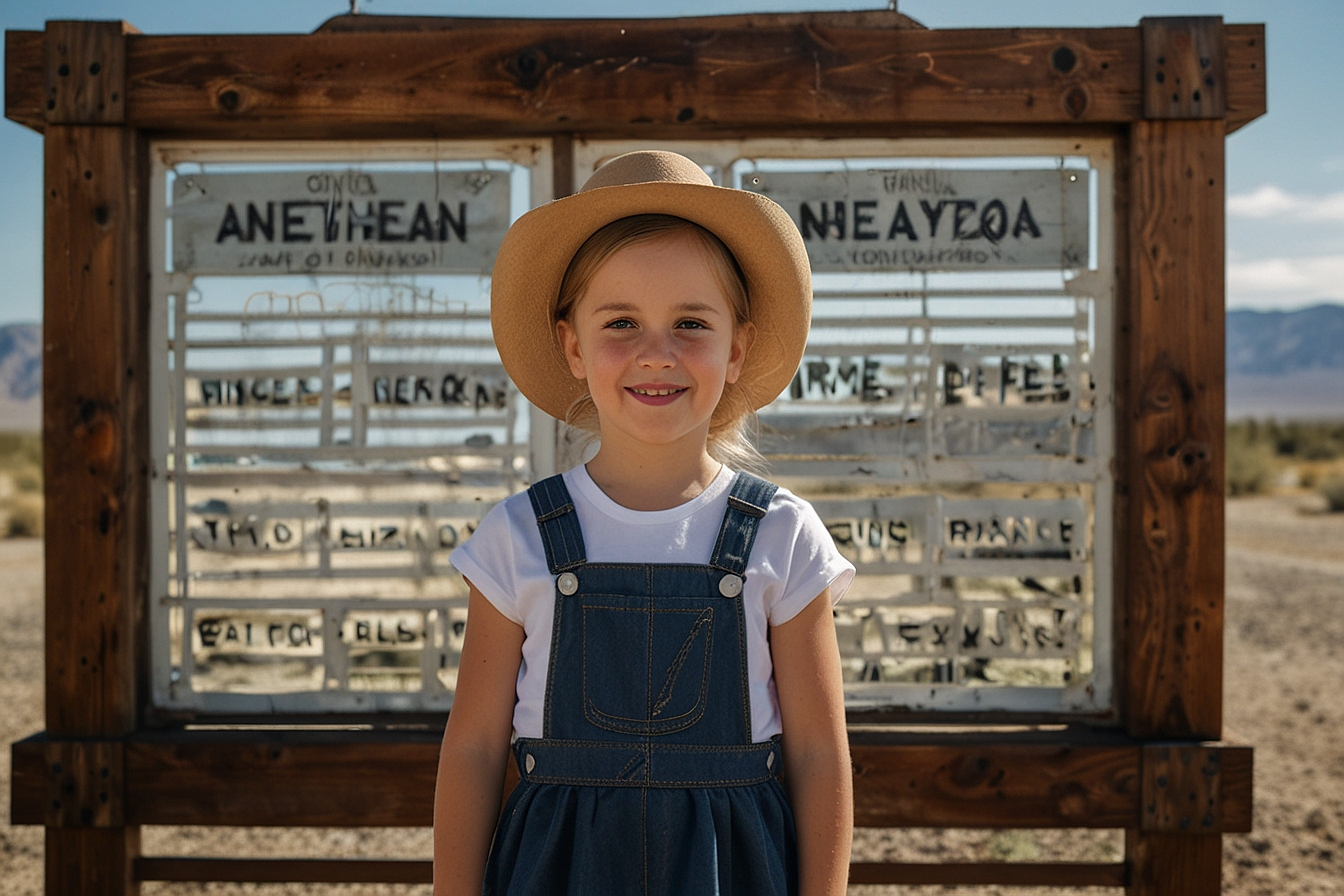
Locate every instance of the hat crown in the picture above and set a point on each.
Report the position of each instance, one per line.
(645, 167)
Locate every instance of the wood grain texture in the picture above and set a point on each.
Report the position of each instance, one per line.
(95, 425)
(85, 65)
(986, 786)
(1172, 432)
(371, 779)
(562, 166)
(1018, 874)
(1059, 874)
(1169, 864)
(566, 75)
(85, 785)
(1238, 761)
(1182, 789)
(273, 780)
(1245, 74)
(1184, 67)
(819, 72)
(25, 78)
(317, 871)
(91, 861)
(867, 18)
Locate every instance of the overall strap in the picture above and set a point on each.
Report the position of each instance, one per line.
(559, 524)
(748, 500)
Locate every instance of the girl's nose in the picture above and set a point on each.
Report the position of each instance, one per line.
(656, 351)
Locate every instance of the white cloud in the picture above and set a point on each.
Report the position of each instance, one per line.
(1269, 201)
(1285, 282)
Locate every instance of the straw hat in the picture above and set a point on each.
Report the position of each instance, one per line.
(537, 250)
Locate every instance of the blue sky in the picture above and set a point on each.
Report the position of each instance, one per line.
(1285, 178)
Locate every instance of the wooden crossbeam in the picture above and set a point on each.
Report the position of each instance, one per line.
(1011, 874)
(371, 779)
(668, 77)
(284, 871)
(419, 871)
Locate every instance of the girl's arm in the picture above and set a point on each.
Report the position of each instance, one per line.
(475, 749)
(817, 770)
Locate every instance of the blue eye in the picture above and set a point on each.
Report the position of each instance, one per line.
(692, 325)
(620, 324)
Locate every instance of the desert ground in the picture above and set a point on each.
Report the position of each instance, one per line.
(1284, 658)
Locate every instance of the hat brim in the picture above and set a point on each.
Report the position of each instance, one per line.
(538, 248)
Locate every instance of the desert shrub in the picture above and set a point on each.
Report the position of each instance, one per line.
(25, 517)
(28, 479)
(1012, 846)
(1299, 439)
(1250, 466)
(20, 449)
(1332, 490)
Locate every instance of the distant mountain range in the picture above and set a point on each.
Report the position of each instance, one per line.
(1286, 365)
(1282, 364)
(1273, 343)
(20, 377)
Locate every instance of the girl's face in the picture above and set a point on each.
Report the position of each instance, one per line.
(656, 341)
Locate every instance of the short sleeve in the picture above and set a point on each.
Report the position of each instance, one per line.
(486, 558)
(809, 555)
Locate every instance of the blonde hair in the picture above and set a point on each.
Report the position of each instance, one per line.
(733, 425)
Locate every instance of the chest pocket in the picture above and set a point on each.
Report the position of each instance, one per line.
(646, 669)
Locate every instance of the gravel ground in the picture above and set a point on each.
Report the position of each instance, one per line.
(1284, 654)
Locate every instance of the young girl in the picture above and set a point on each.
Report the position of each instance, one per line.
(652, 629)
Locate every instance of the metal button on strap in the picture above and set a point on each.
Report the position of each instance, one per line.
(730, 585)
(568, 583)
(529, 763)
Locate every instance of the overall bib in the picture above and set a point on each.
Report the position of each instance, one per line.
(646, 780)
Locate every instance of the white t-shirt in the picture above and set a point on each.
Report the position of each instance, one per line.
(792, 560)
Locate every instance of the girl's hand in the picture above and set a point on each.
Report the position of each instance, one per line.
(475, 749)
(817, 771)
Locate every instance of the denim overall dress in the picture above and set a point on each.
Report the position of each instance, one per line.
(646, 780)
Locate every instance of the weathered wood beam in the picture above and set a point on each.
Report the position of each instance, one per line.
(365, 23)
(85, 72)
(368, 779)
(678, 76)
(1018, 785)
(1172, 426)
(95, 417)
(1184, 67)
(95, 406)
(25, 76)
(1245, 74)
(91, 861)
(575, 76)
(1170, 538)
(312, 871)
(1011, 874)
(1163, 864)
(412, 871)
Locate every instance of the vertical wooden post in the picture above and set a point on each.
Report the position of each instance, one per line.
(1174, 428)
(1174, 468)
(95, 442)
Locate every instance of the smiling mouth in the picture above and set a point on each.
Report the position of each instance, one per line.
(656, 391)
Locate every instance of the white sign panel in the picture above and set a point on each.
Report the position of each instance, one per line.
(935, 219)
(355, 222)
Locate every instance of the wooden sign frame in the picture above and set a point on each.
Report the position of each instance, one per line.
(1168, 91)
